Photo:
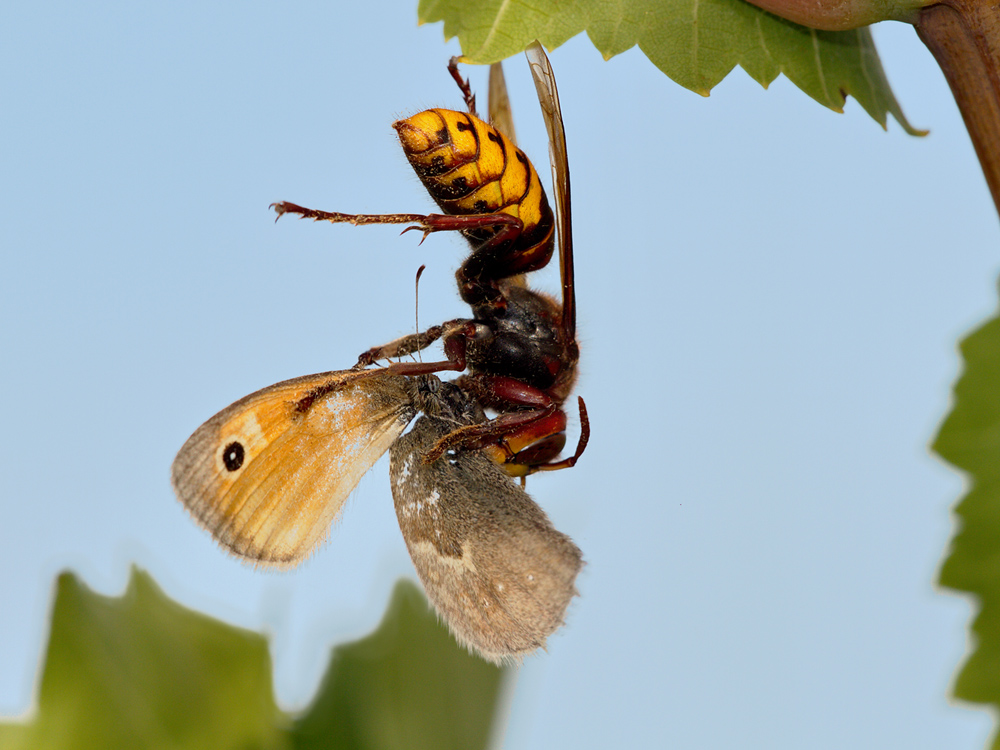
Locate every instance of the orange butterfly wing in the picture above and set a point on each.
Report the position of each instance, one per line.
(268, 475)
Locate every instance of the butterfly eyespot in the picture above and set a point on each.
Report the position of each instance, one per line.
(233, 456)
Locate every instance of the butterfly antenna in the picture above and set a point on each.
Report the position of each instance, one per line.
(416, 304)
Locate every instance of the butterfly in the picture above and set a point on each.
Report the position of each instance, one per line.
(267, 476)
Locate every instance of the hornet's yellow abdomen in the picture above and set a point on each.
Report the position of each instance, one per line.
(470, 168)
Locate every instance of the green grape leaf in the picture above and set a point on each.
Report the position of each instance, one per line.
(970, 440)
(407, 686)
(695, 42)
(142, 671)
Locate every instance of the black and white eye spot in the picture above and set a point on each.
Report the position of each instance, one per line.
(233, 455)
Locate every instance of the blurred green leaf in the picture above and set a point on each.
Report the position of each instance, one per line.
(407, 686)
(695, 42)
(140, 671)
(970, 439)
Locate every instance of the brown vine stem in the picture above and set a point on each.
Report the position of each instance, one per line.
(964, 37)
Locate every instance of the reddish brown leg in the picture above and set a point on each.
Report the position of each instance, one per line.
(508, 226)
(455, 332)
(401, 347)
(497, 431)
(284, 207)
(525, 440)
(454, 349)
(581, 445)
(542, 452)
(507, 394)
(478, 276)
(463, 85)
(539, 429)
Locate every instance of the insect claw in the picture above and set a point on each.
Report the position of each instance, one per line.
(418, 228)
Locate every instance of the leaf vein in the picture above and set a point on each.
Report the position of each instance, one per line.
(865, 72)
(694, 40)
(817, 56)
(494, 27)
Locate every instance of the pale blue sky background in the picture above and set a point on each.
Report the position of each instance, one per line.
(770, 295)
